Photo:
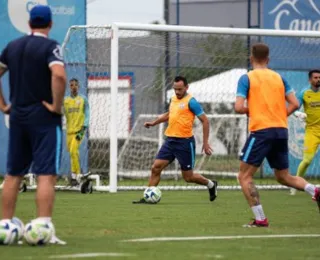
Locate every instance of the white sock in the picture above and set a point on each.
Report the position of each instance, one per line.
(258, 212)
(210, 184)
(5, 219)
(45, 219)
(310, 188)
(73, 175)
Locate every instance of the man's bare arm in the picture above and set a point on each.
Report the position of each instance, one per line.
(240, 107)
(293, 103)
(162, 118)
(3, 105)
(58, 85)
(206, 128)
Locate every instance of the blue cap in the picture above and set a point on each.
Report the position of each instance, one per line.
(40, 15)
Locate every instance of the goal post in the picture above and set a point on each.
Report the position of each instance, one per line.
(212, 59)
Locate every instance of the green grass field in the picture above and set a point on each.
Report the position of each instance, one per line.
(99, 222)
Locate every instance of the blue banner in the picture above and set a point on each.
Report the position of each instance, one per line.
(14, 16)
(297, 52)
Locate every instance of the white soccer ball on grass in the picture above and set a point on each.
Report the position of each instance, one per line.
(152, 195)
(8, 232)
(38, 232)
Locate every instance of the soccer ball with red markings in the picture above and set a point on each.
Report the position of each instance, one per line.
(152, 195)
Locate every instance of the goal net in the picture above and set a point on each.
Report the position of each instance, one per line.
(126, 70)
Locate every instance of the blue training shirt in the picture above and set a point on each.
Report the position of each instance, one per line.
(195, 107)
(28, 60)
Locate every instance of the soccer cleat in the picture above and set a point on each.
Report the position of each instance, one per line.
(317, 197)
(257, 223)
(141, 201)
(213, 192)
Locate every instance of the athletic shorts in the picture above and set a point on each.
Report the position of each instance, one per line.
(270, 143)
(181, 148)
(34, 148)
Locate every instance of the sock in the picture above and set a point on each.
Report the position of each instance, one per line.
(5, 219)
(73, 175)
(210, 184)
(45, 219)
(310, 188)
(258, 212)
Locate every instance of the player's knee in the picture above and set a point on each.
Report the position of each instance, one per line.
(156, 169)
(243, 176)
(307, 161)
(188, 178)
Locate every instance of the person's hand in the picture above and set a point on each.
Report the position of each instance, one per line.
(81, 133)
(52, 108)
(300, 115)
(6, 109)
(207, 149)
(148, 124)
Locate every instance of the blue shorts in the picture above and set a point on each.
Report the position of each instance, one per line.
(270, 143)
(35, 146)
(181, 148)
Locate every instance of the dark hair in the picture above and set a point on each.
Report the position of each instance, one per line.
(74, 79)
(260, 51)
(181, 78)
(311, 73)
(39, 26)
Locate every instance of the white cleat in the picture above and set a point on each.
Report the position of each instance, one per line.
(56, 241)
(293, 191)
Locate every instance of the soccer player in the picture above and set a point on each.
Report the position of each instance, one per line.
(266, 93)
(180, 142)
(310, 99)
(76, 111)
(37, 86)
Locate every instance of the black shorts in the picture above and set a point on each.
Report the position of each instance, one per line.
(181, 148)
(270, 143)
(34, 148)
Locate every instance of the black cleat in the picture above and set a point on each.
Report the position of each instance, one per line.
(213, 192)
(141, 201)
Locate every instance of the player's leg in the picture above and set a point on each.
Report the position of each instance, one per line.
(46, 151)
(252, 155)
(311, 142)
(279, 160)
(75, 159)
(18, 164)
(184, 151)
(163, 159)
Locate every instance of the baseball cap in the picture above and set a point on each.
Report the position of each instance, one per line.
(40, 15)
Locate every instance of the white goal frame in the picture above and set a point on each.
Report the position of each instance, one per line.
(116, 27)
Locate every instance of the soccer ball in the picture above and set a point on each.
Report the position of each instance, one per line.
(20, 227)
(8, 232)
(152, 195)
(38, 232)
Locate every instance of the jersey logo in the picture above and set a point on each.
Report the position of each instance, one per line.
(57, 52)
(182, 106)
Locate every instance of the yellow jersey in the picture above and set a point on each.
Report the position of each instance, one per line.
(76, 111)
(310, 100)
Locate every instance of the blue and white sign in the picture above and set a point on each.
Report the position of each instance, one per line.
(14, 16)
(298, 15)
